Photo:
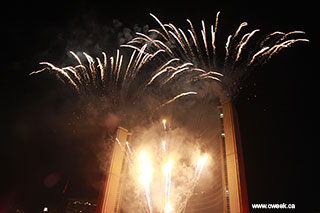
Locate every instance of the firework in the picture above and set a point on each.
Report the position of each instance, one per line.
(164, 121)
(177, 97)
(145, 175)
(128, 147)
(201, 162)
(164, 146)
(145, 168)
(112, 78)
(177, 46)
(180, 56)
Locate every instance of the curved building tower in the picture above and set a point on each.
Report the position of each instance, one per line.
(227, 191)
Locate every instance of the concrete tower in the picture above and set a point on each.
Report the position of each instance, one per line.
(233, 173)
(110, 196)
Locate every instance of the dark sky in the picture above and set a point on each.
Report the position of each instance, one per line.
(274, 106)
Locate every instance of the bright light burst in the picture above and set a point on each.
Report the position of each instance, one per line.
(145, 168)
(145, 175)
(152, 173)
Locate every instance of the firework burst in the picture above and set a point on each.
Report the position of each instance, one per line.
(117, 80)
(199, 55)
(103, 75)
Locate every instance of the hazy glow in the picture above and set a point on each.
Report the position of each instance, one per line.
(145, 168)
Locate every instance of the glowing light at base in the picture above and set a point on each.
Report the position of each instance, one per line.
(145, 168)
(157, 173)
(145, 175)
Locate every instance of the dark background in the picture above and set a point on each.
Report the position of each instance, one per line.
(277, 103)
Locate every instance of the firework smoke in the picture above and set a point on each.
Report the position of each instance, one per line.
(166, 180)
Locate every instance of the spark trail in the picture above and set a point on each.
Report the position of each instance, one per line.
(177, 97)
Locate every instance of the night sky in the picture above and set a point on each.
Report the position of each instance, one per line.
(40, 151)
